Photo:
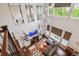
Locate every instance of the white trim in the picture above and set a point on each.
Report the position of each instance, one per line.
(70, 11)
(53, 8)
(75, 18)
(59, 17)
(35, 12)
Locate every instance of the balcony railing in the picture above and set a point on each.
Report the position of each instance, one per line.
(10, 46)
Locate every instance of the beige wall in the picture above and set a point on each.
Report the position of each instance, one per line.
(71, 25)
(6, 19)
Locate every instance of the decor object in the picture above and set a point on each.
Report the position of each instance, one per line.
(33, 33)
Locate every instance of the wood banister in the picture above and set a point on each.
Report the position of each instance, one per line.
(5, 44)
(19, 49)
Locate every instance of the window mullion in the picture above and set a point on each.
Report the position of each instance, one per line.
(53, 8)
(70, 11)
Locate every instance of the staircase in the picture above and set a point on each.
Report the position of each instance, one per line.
(10, 46)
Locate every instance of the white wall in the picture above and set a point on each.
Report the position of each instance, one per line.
(5, 16)
(6, 19)
(71, 25)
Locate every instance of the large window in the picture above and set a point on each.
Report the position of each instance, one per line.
(50, 9)
(16, 12)
(75, 12)
(39, 12)
(59, 9)
(31, 13)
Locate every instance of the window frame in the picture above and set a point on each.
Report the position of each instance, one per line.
(69, 16)
(62, 16)
(39, 15)
(53, 12)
